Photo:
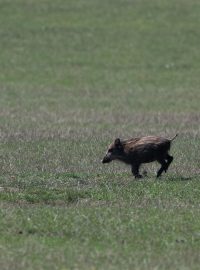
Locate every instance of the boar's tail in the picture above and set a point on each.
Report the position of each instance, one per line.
(174, 137)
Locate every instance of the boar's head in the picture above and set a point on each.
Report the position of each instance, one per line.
(115, 151)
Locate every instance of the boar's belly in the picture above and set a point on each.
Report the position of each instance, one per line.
(147, 154)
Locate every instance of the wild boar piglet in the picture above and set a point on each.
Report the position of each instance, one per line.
(137, 151)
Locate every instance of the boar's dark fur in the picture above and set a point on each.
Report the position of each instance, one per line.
(136, 151)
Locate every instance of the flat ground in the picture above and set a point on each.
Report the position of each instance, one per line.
(74, 75)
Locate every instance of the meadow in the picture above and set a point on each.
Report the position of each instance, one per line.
(74, 75)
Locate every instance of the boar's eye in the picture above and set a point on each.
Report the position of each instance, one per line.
(110, 150)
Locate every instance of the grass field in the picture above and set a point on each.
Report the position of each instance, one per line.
(74, 75)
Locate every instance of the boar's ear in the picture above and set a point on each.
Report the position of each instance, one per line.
(118, 143)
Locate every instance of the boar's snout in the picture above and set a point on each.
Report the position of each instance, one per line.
(106, 159)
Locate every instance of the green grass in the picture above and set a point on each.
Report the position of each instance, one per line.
(74, 75)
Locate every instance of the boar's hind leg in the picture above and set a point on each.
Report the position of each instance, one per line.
(169, 160)
(163, 167)
(135, 171)
(165, 162)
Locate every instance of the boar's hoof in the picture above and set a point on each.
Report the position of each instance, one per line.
(138, 176)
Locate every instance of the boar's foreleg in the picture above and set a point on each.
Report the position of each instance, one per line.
(135, 170)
